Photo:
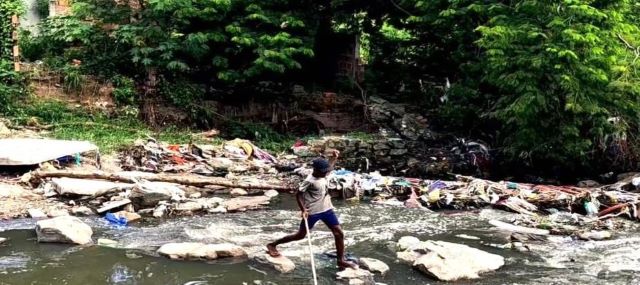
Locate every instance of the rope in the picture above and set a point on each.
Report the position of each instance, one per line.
(313, 263)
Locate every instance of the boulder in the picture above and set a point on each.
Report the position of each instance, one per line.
(271, 193)
(239, 192)
(37, 214)
(4, 131)
(200, 251)
(82, 211)
(245, 203)
(280, 263)
(65, 229)
(187, 251)
(356, 277)
(228, 250)
(149, 194)
(374, 265)
(449, 261)
(407, 242)
(2, 240)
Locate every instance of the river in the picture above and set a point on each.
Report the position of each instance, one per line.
(370, 231)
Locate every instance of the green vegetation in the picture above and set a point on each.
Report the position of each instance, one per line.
(545, 82)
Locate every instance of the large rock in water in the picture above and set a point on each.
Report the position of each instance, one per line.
(374, 265)
(65, 229)
(356, 277)
(280, 263)
(200, 251)
(449, 261)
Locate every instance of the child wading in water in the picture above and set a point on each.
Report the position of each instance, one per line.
(315, 204)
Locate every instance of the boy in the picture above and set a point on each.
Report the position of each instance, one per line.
(315, 204)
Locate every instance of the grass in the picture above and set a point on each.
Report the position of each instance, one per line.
(108, 133)
(111, 133)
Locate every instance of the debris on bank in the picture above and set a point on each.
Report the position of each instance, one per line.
(162, 179)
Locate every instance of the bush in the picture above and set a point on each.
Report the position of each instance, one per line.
(124, 91)
(73, 79)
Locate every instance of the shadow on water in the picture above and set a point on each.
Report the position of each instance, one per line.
(369, 229)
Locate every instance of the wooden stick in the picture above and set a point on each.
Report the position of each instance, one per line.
(177, 179)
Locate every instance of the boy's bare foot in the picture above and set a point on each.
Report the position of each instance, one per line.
(272, 251)
(343, 264)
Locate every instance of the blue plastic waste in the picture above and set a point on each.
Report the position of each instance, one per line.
(512, 185)
(116, 220)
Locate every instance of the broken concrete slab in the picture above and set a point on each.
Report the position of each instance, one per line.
(246, 203)
(15, 152)
(65, 229)
(113, 205)
(86, 187)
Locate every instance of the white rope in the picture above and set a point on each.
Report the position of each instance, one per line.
(313, 263)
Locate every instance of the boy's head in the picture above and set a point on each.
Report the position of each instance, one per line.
(321, 167)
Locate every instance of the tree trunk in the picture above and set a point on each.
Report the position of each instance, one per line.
(177, 179)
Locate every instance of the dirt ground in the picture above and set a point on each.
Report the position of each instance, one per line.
(17, 200)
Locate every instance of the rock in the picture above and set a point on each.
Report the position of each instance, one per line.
(374, 265)
(595, 235)
(228, 250)
(218, 210)
(200, 251)
(195, 195)
(65, 229)
(107, 243)
(160, 211)
(407, 257)
(449, 261)
(2, 240)
(588, 184)
(131, 217)
(239, 192)
(85, 187)
(397, 143)
(281, 263)
(356, 276)
(407, 242)
(271, 193)
(381, 146)
(37, 214)
(4, 131)
(108, 206)
(149, 194)
(190, 206)
(146, 212)
(58, 213)
(220, 163)
(398, 152)
(245, 203)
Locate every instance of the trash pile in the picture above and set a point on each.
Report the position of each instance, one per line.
(562, 210)
(233, 156)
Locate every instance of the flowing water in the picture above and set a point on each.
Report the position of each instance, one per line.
(369, 231)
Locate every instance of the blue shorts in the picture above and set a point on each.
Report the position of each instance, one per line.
(329, 218)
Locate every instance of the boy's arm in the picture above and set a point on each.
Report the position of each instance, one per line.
(333, 157)
(300, 197)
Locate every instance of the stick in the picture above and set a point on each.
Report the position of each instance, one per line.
(177, 179)
(313, 263)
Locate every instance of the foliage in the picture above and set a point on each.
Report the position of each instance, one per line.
(42, 8)
(124, 91)
(73, 79)
(11, 83)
